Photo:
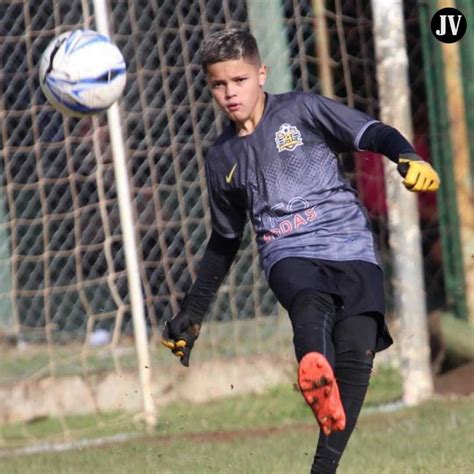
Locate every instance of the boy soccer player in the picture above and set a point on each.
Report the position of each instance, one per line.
(277, 161)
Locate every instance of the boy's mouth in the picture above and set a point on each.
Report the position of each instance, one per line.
(233, 107)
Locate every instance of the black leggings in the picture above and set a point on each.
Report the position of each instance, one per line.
(349, 346)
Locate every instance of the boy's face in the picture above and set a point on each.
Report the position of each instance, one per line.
(236, 86)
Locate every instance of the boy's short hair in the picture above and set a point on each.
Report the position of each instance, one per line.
(228, 44)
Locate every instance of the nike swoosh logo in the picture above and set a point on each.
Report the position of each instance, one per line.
(229, 176)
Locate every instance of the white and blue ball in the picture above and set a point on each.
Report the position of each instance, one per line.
(82, 73)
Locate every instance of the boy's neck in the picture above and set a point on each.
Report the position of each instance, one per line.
(250, 124)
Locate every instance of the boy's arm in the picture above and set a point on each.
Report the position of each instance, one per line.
(418, 174)
(183, 329)
(348, 129)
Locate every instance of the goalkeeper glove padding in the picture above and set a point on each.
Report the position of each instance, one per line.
(179, 335)
(418, 175)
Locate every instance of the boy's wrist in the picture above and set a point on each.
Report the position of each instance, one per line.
(403, 157)
(194, 308)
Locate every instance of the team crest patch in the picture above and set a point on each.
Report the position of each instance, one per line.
(288, 137)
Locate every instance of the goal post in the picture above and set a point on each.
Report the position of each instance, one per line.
(405, 236)
(7, 325)
(127, 222)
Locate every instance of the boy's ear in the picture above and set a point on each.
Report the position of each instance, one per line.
(262, 75)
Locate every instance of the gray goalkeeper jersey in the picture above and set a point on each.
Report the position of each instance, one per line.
(287, 177)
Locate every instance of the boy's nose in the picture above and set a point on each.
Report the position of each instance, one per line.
(230, 92)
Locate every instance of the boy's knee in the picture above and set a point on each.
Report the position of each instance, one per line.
(356, 357)
(355, 341)
(356, 354)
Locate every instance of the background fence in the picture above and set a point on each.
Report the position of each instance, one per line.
(63, 292)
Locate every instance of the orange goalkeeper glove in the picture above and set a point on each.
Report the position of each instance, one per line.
(179, 335)
(418, 175)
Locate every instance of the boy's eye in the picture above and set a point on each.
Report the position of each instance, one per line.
(217, 86)
(241, 79)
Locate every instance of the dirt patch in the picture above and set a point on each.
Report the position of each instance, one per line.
(232, 435)
(457, 381)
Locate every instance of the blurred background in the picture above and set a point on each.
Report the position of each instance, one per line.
(65, 313)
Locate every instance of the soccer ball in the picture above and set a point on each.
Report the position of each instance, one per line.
(82, 73)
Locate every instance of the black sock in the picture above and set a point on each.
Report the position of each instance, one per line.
(354, 339)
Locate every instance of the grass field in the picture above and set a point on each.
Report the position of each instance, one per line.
(269, 433)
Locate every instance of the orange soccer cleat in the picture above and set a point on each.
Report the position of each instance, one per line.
(319, 388)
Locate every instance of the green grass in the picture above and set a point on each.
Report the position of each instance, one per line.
(437, 437)
(72, 427)
(269, 433)
(385, 386)
(36, 361)
(458, 337)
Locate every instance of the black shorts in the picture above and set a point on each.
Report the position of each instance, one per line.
(356, 286)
